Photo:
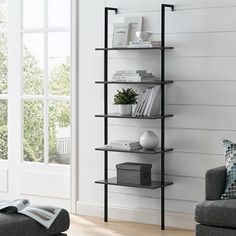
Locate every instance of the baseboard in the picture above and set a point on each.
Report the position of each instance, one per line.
(147, 216)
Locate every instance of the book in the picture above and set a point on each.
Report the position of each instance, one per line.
(155, 104)
(145, 102)
(136, 24)
(147, 44)
(152, 100)
(138, 104)
(141, 103)
(148, 103)
(127, 72)
(134, 74)
(124, 145)
(120, 35)
(152, 79)
(135, 78)
(44, 215)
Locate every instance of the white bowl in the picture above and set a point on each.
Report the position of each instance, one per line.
(143, 35)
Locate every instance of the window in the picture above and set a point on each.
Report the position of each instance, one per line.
(46, 81)
(3, 81)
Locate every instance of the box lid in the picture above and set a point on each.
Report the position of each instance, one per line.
(133, 166)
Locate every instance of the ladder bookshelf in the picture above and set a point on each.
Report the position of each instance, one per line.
(162, 117)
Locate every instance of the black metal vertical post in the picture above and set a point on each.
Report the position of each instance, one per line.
(163, 6)
(107, 9)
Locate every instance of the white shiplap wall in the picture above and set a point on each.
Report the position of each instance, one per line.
(202, 98)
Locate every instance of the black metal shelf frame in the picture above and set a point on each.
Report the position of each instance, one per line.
(139, 151)
(116, 115)
(113, 181)
(153, 185)
(132, 49)
(142, 82)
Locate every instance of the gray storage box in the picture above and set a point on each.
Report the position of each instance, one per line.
(134, 173)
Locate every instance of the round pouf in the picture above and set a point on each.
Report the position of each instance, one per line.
(149, 140)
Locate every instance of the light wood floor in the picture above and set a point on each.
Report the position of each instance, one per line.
(91, 226)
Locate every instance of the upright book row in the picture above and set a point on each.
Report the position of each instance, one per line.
(149, 102)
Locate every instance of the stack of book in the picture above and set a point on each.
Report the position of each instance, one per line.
(148, 103)
(125, 145)
(134, 76)
(144, 44)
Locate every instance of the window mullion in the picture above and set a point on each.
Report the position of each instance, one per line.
(46, 130)
(14, 92)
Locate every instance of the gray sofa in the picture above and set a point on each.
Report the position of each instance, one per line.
(12, 224)
(216, 217)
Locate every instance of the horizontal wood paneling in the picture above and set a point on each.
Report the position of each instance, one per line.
(188, 117)
(182, 140)
(205, 20)
(176, 191)
(202, 93)
(141, 5)
(135, 201)
(202, 99)
(175, 161)
(187, 93)
(180, 68)
(192, 45)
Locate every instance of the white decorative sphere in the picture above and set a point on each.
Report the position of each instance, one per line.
(149, 140)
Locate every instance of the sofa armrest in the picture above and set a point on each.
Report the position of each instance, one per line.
(215, 183)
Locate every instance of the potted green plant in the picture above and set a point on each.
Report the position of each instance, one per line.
(124, 100)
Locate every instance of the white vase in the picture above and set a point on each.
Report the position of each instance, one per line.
(125, 109)
(149, 140)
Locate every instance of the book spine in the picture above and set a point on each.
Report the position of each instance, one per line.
(131, 71)
(149, 102)
(140, 79)
(138, 104)
(139, 46)
(133, 74)
(146, 101)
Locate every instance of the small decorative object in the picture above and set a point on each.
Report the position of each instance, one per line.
(143, 36)
(136, 23)
(149, 140)
(120, 35)
(125, 99)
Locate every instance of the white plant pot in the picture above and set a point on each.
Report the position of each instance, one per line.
(125, 109)
(149, 140)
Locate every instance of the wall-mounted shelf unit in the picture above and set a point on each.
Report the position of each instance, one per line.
(160, 151)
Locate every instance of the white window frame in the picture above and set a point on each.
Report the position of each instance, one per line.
(4, 97)
(15, 163)
(46, 98)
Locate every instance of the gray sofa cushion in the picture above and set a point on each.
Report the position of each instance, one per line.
(203, 230)
(221, 213)
(215, 183)
(12, 224)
